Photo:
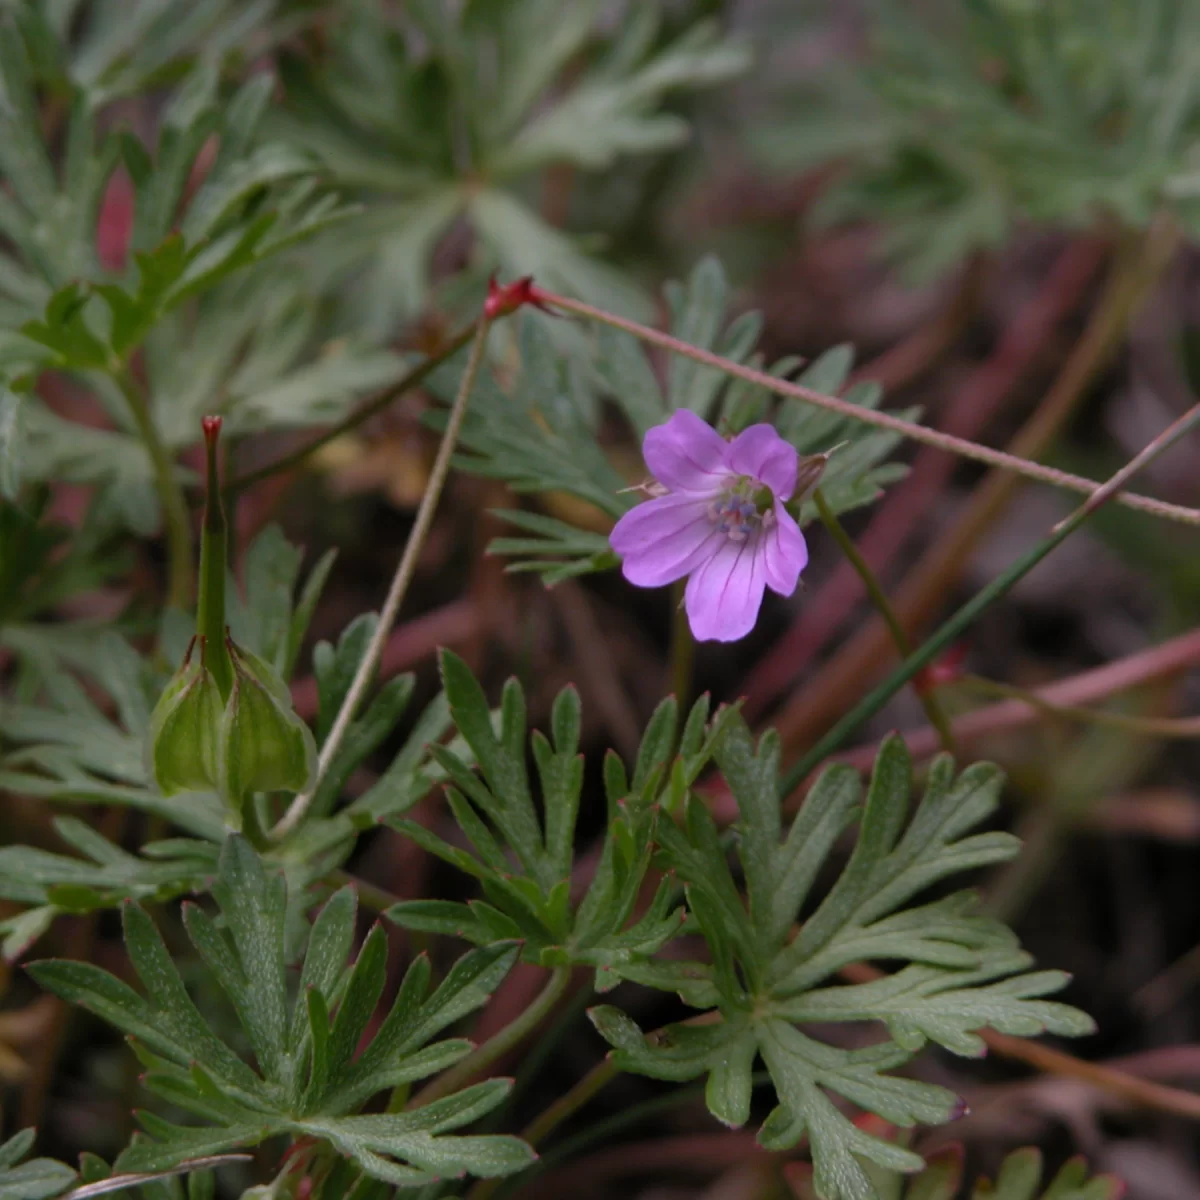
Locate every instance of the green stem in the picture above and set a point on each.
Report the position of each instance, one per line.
(933, 710)
(499, 1044)
(210, 599)
(399, 588)
(966, 616)
(176, 520)
(631, 1117)
(364, 412)
(683, 650)
(569, 1103)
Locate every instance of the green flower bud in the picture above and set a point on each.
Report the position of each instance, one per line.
(263, 746)
(184, 727)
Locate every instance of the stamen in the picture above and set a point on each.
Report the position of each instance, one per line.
(741, 509)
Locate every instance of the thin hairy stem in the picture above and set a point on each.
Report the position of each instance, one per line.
(177, 521)
(364, 412)
(918, 433)
(499, 1044)
(569, 1103)
(929, 701)
(399, 588)
(952, 629)
(1156, 727)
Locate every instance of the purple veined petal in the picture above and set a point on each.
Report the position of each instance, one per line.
(725, 593)
(761, 453)
(686, 454)
(662, 540)
(784, 551)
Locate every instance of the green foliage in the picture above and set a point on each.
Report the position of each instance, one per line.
(308, 1080)
(542, 433)
(963, 971)
(121, 49)
(34, 1179)
(497, 813)
(442, 116)
(1020, 1178)
(105, 876)
(966, 117)
(43, 563)
(203, 226)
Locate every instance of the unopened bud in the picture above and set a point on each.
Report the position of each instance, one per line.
(809, 471)
(184, 727)
(264, 745)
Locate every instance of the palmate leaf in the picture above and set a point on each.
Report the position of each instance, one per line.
(312, 1073)
(489, 91)
(963, 971)
(254, 202)
(963, 119)
(541, 433)
(496, 810)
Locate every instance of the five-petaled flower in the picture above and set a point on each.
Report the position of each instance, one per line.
(718, 517)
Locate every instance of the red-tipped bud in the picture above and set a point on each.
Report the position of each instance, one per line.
(503, 299)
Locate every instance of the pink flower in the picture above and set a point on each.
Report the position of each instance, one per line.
(721, 522)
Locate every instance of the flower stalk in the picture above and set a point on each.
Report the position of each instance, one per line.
(396, 592)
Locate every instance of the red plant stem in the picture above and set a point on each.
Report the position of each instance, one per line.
(910, 502)
(1158, 662)
(1020, 463)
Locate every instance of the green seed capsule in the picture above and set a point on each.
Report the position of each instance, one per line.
(263, 746)
(184, 727)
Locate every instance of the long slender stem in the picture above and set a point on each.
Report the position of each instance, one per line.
(499, 1044)
(177, 521)
(364, 412)
(957, 625)
(885, 420)
(569, 1103)
(929, 702)
(1159, 727)
(399, 587)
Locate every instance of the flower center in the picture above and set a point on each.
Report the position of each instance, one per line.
(741, 508)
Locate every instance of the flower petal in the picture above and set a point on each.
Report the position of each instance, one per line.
(662, 540)
(784, 551)
(762, 454)
(686, 454)
(725, 593)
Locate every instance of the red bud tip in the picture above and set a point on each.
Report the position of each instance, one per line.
(211, 427)
(507, 298)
